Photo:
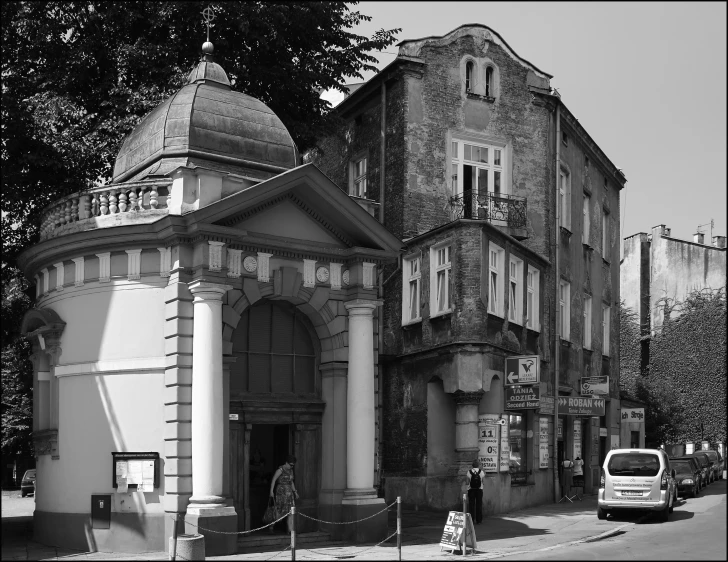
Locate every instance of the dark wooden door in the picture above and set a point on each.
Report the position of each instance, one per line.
(239, 476)
(307, 449)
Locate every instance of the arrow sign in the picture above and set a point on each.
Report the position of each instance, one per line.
(523, 369)
(593, 407)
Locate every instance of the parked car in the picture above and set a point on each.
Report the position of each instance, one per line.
(703, 469)
(637, 479)
(27, 484)
(717, 461)
(706, 463)
(688, 475)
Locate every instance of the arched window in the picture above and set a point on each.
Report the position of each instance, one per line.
(489, 90)
(469, 76)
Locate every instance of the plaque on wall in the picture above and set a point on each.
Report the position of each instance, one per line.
(137, 470)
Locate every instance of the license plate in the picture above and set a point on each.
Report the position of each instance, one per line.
(631, 493)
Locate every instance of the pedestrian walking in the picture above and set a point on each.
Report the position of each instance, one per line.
(475, 492)
(284, 494)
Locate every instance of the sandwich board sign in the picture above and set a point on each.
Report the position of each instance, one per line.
(523, 369)
(458, 532)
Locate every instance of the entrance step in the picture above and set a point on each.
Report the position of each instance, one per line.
(260, 541)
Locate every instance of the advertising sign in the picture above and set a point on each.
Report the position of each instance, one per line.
(543, 442)
(560, 430)
(577, 438)
(546, 405)
(603, 432)
(505, 448)
(521, 397)
(595, 386)
(524, 369)
(489, 436)
(457, 525)
(636, 415)
(581, 406)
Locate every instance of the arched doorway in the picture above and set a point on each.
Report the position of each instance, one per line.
(275, 393)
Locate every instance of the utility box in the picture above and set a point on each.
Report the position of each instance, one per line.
(101, 511)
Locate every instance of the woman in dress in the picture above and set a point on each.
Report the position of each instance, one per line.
(285, 493)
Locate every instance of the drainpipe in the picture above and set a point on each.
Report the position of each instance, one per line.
(380, 311)
(557, 279)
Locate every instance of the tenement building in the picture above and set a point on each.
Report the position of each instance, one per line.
(206, 314)
(501, 311)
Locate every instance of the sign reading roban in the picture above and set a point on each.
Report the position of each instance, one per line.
(522, 397)
(593, 407)
(593, 386)
(524, 369)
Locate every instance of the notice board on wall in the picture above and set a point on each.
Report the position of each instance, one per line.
(139, 470)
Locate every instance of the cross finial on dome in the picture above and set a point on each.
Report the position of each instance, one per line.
(208, 15)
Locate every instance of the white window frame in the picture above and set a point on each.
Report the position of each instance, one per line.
(605, 235)
(564, 316)
(411, 277)
(586, 222)
(565, 199)
(496, 262)
(440, 269)
(495, 169)
(358, 181)
(472, 69)
(515, 290)
(532, 300)
(489, 81)
(587, 330)
(606, 322)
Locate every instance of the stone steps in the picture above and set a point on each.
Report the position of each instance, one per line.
(279, 541)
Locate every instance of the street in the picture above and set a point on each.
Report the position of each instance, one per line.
(696, 530)
(15, 506)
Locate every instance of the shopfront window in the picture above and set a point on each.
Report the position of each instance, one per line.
(517, 441)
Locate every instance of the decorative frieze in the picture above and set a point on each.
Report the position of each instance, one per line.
(80, 273)
(165, 261)
(309, 273)
(250, 264)
(60, 275)
(345, 277)
(322, 275)
(233, 263)
(368, 274)
(104, 267)
(467, 398)
(215, 255)
(46, 281)
(335, 278)
(133, 264)
(264, 267)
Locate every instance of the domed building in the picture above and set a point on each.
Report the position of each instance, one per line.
(206, 314)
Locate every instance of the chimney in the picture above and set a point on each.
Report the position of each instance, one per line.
(699, 238)
(661, 230)
(719, 241)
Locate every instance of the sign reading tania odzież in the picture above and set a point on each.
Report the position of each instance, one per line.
(593, 407)
(521, 397)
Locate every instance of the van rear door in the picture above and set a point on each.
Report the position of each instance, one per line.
(634, 476)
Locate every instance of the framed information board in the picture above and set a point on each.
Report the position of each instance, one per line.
(140, 470)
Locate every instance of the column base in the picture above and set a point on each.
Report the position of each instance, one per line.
(202, 520)
(359, 504)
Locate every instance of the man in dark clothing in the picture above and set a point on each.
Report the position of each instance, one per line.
(475, 492)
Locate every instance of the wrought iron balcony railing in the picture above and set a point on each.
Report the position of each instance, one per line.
(493, 207)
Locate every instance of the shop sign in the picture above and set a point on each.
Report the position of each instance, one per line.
(577, 437)
(560, 432)
(595, 386)
(505, 447)
(522, 397)
(519, 478)
(524, 369)
(634, 415)
(489, 436)
(543, 442)
(546, 405)
(603, 432)
(458, 530)
(593, 407)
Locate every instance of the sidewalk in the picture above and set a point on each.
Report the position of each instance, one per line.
(528, 530)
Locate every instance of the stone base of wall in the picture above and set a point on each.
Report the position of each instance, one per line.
(129, 532)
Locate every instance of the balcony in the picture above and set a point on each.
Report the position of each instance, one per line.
(498, 208)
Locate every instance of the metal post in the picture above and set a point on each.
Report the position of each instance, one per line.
(174, 539)
(293, 532)
(465, 522)
(399, 527)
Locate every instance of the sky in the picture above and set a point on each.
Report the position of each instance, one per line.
(646, 80)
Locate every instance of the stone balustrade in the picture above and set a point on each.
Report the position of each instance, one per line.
(101, 201)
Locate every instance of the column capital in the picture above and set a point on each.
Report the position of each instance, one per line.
(207, 291)
(362, 306)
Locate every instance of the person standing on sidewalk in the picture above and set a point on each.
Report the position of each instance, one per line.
(475, 492)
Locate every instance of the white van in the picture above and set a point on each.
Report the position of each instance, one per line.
(639, 479)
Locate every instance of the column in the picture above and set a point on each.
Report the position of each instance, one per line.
(466, 427)
(207, 507)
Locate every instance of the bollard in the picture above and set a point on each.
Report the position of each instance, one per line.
(399, 527)
(293, 532)
(174, 539)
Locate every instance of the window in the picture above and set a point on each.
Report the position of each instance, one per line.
(515, 291)
(359, 178)
(518, 443)
(587, 321)
(565, 200)
(495, 280)
(565, 139)
(605, 235)
(411, 290)
(477, 168)
(587, 220)
(586, 163)
(489, 90)
(532, 307)
(469, 76)
(606, 313)
(440, 280)
(564, 310)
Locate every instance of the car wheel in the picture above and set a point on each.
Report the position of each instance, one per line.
(663, 515)
(601, 513)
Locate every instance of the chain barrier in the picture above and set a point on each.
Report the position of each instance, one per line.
(236, 532)
(277, 553)
(349, 555)
(345, 522)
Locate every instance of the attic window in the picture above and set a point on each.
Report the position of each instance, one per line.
(489, 82)
(586, 163)
(565, 139)
(469, 76)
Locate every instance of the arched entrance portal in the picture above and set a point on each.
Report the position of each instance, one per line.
(275, 393)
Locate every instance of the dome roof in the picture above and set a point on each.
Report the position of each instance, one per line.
(206, 123)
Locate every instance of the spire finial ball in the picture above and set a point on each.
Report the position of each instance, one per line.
(207, 48)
